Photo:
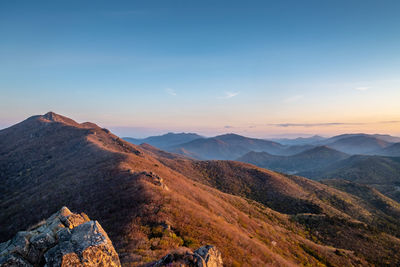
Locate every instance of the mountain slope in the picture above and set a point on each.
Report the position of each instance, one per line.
(151, 202)
(166, 140)
(390, 151)
(316, 157)
(324, 211)
(380, 172)
(146, 208)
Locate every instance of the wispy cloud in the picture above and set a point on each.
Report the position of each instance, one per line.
(315, 124)
(228, 127)
(170, 91)
(389, 122)
(362, 88)
(229, 94)
(293, 99)
(325, 124)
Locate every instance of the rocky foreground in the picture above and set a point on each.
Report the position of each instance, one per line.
(64, 239)
(70, 239)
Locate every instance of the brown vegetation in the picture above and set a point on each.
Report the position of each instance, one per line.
(150, 202)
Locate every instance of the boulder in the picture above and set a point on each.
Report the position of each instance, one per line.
(211, 255)
(64, 239)
(206, 256)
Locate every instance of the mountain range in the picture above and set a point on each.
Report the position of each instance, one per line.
(367, 159)
(319, 163)
(226, 147)
(233, 146)
(151, 202)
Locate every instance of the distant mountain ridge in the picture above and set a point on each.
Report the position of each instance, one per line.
(232, 146)
(166, 140)
(359, 144)
(227, 146)
(306, 160)
(300, 140)
(391, 151)
(380, 172)
(383, 137)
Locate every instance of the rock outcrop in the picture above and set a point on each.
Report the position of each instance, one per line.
(206, 256)
(64, 239)
(152, 178)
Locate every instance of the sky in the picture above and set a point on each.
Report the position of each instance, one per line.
(257, 68)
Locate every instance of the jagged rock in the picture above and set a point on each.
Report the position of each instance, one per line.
(206, 256)
(64, 239)
(211, 256)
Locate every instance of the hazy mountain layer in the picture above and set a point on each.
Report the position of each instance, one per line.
(391, 151)
(308, 160)
(166, 140)
(380, 172)
(232, 146)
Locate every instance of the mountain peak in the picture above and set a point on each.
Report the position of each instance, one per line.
(54, 117)
(230, 136)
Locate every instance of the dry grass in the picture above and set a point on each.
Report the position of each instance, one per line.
(245, 211)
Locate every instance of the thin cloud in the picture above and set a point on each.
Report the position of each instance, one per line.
(314, 124)
(293, 99)
(362, 88)
(389, 122)
(229, 94)
(325, 124)
(170, 91)
(228, 127)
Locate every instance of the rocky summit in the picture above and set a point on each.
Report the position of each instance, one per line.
(64, 239)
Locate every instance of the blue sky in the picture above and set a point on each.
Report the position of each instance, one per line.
(260, 68)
